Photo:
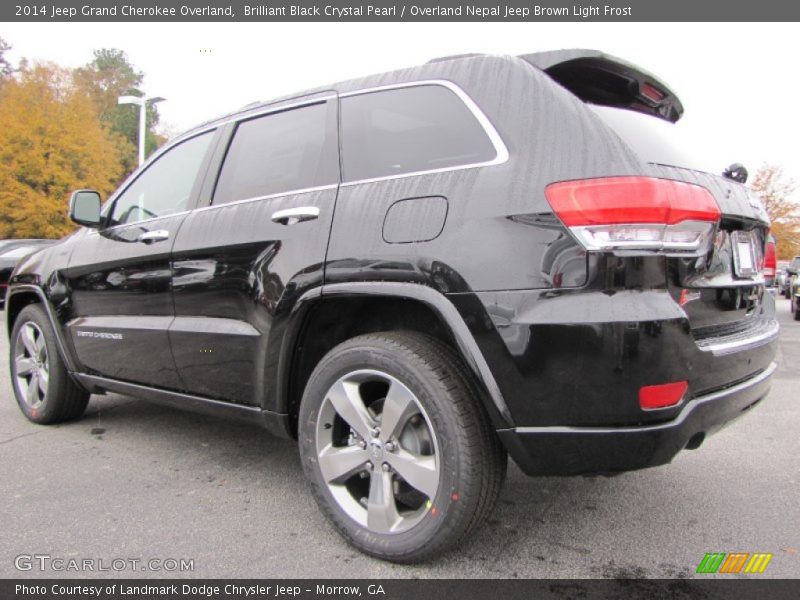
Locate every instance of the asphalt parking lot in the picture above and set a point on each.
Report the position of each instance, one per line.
(135, 480)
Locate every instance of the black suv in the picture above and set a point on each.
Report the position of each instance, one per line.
(413, 274)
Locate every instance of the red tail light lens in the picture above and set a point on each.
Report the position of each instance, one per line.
(770, 259)
(662, 396)
(636, 213)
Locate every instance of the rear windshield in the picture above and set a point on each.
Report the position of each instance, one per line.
(658, 141)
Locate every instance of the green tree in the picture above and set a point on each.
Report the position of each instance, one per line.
(107, 77)
(5, 67)
(51, 142)
(775, 191)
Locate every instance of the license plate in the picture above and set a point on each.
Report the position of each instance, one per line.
(744, 254)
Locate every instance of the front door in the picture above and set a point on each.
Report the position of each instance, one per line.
(120, 275)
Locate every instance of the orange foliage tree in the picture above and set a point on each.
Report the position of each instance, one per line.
(51, 142)
(775, 191)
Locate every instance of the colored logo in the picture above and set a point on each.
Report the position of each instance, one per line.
(735, 562)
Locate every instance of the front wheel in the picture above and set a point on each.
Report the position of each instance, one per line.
(397, 446)
(42, 386)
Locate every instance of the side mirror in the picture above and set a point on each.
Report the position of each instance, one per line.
(84, 208)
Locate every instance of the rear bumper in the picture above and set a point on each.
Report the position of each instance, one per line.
(581, 450)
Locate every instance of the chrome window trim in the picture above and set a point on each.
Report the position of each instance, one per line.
(501, 151)
(318, 188)
(121, 226)
(200, 131)
(265, 110)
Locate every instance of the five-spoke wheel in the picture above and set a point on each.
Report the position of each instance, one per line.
(397, 445)
(377, 451)
(43, 388)
(31, 365)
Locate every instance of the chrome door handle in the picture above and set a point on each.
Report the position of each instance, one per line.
(151, 237)
(290, 216)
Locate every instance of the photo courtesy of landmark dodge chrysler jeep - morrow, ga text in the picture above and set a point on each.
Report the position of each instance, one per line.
(415, 274)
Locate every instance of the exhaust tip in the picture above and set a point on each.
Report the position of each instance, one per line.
(696, 441)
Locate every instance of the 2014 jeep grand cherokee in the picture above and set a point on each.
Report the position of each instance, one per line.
(413, 274)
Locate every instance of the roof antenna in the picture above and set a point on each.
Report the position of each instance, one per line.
(736, 172)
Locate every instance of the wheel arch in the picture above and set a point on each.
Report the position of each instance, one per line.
(20, 296)
(321, 320)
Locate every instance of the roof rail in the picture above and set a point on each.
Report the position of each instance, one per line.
(454, 57)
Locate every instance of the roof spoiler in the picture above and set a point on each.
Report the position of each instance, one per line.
(602, 79)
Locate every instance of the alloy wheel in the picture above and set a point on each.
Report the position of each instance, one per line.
(377, 451)
(31, 365)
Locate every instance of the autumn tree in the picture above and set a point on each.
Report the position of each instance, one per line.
(51, 142)
(107, 77)
(775, 191)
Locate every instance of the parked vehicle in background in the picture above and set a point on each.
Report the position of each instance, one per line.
(794, 296)
(11, 252)
(782, 278)
(414, 274)
(793, 272)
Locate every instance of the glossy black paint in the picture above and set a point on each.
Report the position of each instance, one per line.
(610, 450)
(218, 315)
(8, 263)
(122, 287)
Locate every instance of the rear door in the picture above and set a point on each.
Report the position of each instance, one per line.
(120, 276)
(256, 245)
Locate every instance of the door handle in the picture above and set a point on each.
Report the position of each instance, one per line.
(151, 237)
(290, 216)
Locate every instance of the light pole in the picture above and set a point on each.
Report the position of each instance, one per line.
(141, 102)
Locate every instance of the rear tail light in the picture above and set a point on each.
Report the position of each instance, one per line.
(662, 396)
(636, 213)
(770, 259)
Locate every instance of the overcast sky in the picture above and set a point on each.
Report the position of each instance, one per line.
(739, 96)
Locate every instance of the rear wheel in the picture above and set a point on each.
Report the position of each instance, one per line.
(44, 390)
(396, 445)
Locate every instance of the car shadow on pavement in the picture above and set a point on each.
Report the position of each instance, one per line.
(539, 523)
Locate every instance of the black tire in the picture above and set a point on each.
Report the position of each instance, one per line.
(472, 461)
(62, 399)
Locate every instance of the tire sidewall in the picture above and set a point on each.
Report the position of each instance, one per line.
(422, 382)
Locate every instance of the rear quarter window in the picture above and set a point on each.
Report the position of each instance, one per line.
(409, 130)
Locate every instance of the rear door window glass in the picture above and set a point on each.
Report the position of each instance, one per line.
(276, 153)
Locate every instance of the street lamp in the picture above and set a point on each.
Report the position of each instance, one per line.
(141, 102)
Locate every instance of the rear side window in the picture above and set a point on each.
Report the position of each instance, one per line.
(408, 130)
(276, 153)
